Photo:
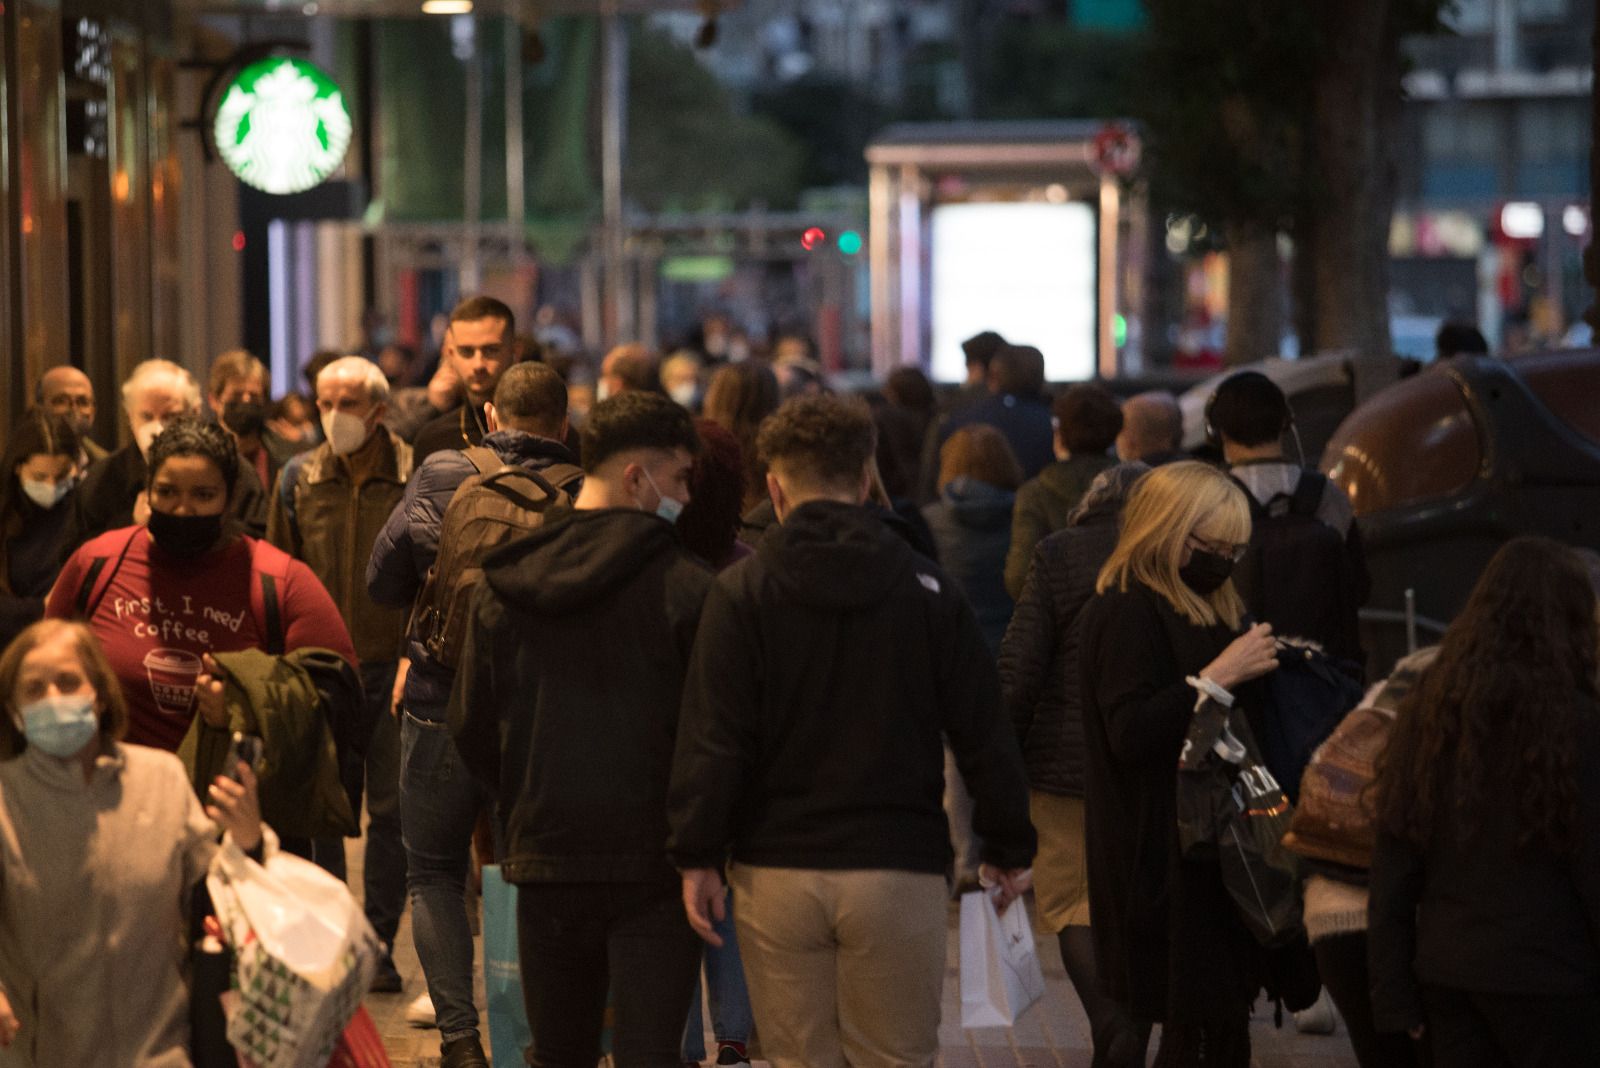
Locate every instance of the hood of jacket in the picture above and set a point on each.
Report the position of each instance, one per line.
(528, 450)
(575, 559)
(835, 556)
(979, 505)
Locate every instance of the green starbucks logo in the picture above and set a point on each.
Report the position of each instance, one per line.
(282, 126)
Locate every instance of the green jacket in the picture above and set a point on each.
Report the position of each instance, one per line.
(321, 516)
(1043, 505)
(276, 699)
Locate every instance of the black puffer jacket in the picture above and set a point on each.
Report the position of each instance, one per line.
(1039, 656)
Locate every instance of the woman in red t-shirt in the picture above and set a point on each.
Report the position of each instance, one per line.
(165, 596)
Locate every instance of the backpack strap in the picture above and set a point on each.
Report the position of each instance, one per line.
(271, 566)
(88, 598)
(564, 476)
(485, 459)
(1308, 491)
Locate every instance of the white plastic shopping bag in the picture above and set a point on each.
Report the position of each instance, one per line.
(304, 956)
(1000, 974)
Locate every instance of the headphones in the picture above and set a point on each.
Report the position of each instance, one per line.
(1214, 437)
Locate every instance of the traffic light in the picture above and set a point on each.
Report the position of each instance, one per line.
(850, 242)
(813, 237)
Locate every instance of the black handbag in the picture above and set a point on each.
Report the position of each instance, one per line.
(210, 976)
(1232, 811)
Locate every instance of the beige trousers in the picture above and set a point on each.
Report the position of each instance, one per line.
(844, 967)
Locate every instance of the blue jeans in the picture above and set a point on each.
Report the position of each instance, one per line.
(731, 1019)
(385, 875)
(439, 804)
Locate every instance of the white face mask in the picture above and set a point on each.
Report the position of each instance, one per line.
(602, 390)
(345, 432)
(146, 433)
(46, 494)
(683, 393)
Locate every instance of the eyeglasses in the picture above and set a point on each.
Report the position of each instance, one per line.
(1220, 548)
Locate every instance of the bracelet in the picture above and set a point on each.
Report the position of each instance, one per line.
(1209, 687)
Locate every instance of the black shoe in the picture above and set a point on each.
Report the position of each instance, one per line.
(387, 980)
(465, 1052)
(731, 1054)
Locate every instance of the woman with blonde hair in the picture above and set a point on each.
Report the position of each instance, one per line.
(1165, 623)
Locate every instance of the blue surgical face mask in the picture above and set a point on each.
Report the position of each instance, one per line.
(668, 508)
(62, 725)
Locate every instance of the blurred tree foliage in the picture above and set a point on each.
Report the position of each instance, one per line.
(833, 119)
(690, 147)
(1042, 69)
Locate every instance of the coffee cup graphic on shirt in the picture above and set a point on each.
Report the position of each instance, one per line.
(172, 679)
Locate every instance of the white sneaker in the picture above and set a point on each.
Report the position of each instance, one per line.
(1319, 1019)
(420, 1013)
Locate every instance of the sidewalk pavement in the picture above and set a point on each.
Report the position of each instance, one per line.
(1052, 1034)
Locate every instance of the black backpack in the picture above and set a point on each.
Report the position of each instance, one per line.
(1298, 574)
(1307, 697)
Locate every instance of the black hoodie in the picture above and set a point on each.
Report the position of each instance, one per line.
(824, 672)
(566, 703)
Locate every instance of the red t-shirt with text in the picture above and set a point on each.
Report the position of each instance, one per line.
(160, 614)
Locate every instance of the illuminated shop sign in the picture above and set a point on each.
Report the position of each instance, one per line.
(282, 126)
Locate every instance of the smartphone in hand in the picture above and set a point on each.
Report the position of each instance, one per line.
(246, 748)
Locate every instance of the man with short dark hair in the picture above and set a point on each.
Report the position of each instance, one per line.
(67, 392)
(479, 344)
(1306, 571)
(439, 798)
(1087, 421)
(566, 707)
(1016, 406)
(826, 671)
(1152, 429)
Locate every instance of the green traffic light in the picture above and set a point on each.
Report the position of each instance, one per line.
(1119, 330)
(850, 242)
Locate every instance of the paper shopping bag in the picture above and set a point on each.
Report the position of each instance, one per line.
(1000, 973)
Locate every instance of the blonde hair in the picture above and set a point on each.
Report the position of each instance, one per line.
(1166, 506)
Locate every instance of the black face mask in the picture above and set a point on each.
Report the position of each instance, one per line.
(1206, 571)
(185, 536)
(244, 418)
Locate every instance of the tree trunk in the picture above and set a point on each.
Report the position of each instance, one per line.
(1356, 115)
(1255, 294)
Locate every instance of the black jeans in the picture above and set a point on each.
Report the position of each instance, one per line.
(1472, 1030)
(579, 939)
(1342, 963)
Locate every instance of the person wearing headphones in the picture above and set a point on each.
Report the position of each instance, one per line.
(1306, 573)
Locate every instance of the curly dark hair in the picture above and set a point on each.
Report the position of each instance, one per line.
(188, 436)
(1503, 712)
(822, 438)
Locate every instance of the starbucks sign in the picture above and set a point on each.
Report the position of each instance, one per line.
(282, 126)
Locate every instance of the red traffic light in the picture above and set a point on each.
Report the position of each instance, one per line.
(813, 237)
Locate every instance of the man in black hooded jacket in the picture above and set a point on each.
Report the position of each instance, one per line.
(826, 669)
(566, 706)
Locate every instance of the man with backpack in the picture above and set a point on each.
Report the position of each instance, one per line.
(566, 706)
(459, 505)
(1305, 571)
